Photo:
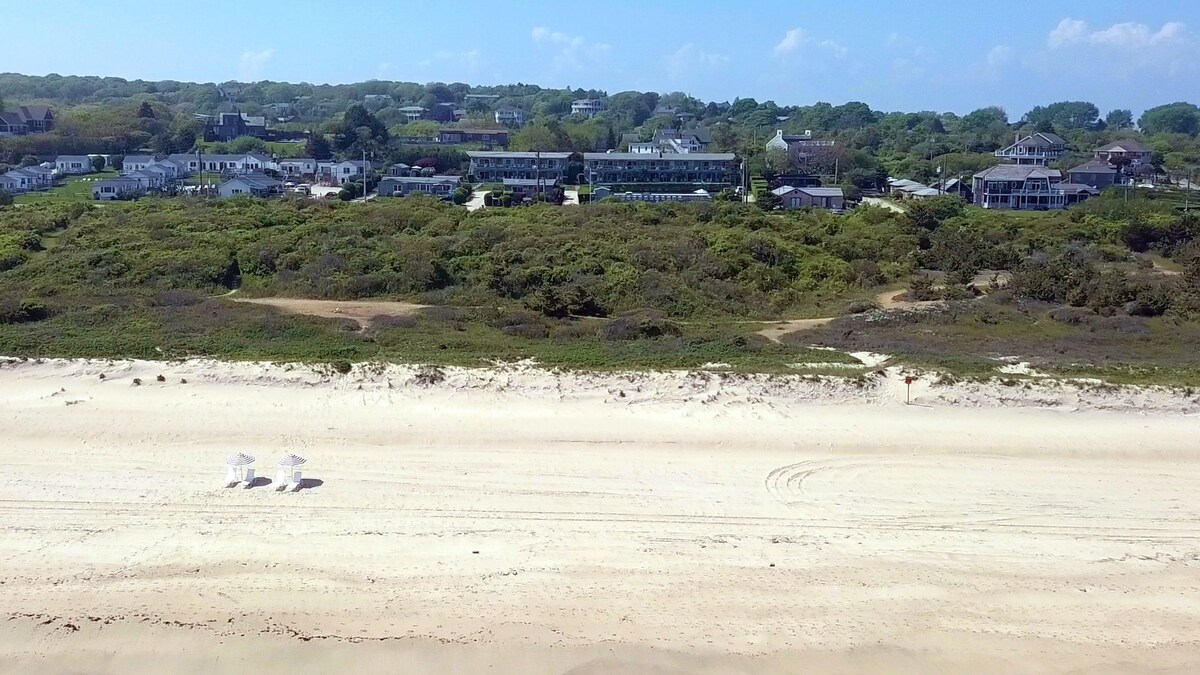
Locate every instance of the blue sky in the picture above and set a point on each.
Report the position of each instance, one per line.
(893, 56)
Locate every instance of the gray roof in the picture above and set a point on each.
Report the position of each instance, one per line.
(119, 180)
(823, 191)
(687, 156)
(1018, 172)
(1075, 188)
(431, 180)
(531, 182)
(72, 158)
(499, 154)
(257, 180)
(296, 160)
(139, 159)
(1094, 166)
(1127, 145)
(701, 134)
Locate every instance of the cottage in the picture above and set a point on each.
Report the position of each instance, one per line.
(1019, 186)
(109, 189)
(73, 165)
(250, 184)
(136, 162)
(224, 164)
(11, 124)
(229, 125)
(437, 186)
(399, 169)
(297, 166)
(10, 184)
(829, 198)
(1038, 148)
(340, 173)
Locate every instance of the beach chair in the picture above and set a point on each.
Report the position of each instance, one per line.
(232, 478)
(249, 479)
(295, 484)
(281, 480)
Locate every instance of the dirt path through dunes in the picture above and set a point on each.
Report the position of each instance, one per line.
(361, 311)
(886, 300)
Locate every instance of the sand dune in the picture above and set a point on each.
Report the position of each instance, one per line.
(511, 520)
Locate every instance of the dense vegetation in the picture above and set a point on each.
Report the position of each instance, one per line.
(601, 285)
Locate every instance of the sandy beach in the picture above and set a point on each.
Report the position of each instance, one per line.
(513, 520)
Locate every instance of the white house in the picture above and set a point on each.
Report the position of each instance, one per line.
(108, 189)
(344, 172)
(588, 107)
(510, 116)
(218, 164)
(253, 184)
(412, 112)
(298, 166)
(136, 162)
(11, 184)
(72, 165)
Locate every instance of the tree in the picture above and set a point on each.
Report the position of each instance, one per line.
(6, 198)
(359, 130)
(317, 147)
(116, 162)
(1065, 115)
(777, 161)
(1173, 118)
(244, 144)
(768, 201)
(145, 111)
(98, 163)
(1119, 119)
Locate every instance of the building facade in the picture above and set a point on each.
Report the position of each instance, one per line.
(1019, 187)
(588, 107)
(489, 167)
(1037, 148)
(716, 170)
(436, 186)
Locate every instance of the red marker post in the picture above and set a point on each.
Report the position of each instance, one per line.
(908, 380)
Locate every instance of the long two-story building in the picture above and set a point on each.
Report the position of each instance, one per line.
(489, 166)
(706, 169)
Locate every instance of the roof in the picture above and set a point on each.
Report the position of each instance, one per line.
(690, 156)
(781, 191)
(1076, 188)
(925, 192)
(118, 179)
(12, 118)
(1039, 139)
(32, 112)
(72, 158)
(256, 180)
(531, 182)
(450, 130)
(1018, 172)
(822, 191)
(138, 159)
(412, 108)
(701, 134)
(1124, 145)
(1094, 166)
(500, 154)
(296, 160)
(432, 180)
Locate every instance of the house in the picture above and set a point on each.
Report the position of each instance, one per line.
(30, 178)
(253, 184)
(954, 186)
(72, 165)
(412, 113)
(483, 136)
(717, 170)
(1020, 187)
(510, 116)
(223, 164)
(10, 184)
(829, 198)
(341, 173)
(1136, 152)
(297, 166)
(136, 162)
(399, 169)
(26, 119)
(800, 148)
(1073, 193)
(588, 107)
(1041, 147)
(109, 189)
(1097, 173)
(495, 166)
(437, 186)
(229, 125)
(653, 197)
(783, 142)
(11, 124)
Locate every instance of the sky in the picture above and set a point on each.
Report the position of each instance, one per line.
(893, 56)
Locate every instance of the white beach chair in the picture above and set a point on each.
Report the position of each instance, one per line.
(281, 480)
(249, 479)
(232, 478)
(295, 484)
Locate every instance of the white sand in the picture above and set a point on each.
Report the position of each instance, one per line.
(669, 523)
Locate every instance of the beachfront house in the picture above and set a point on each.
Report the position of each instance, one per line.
(436, 186)
(72, 165)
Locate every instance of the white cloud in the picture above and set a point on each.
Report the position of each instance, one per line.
(251, 64)
(688, 59)
(574, 51)
(1000, 56)
(1128, 35)
(797, 39)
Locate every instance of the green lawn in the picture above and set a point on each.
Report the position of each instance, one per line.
(74, 189)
